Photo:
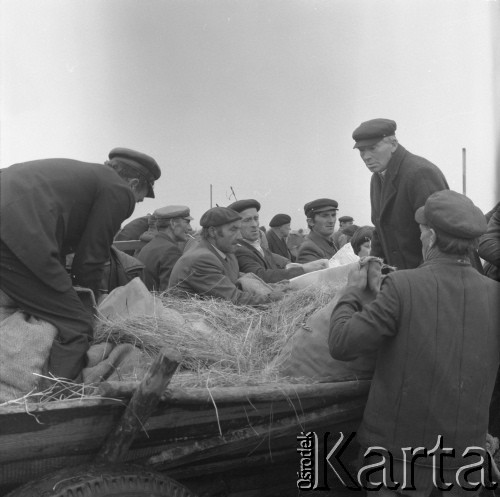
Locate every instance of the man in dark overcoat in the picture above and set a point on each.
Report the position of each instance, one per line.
(165, 249)
(436, 329)
(400, 184)
(50, 208)
(277, 236)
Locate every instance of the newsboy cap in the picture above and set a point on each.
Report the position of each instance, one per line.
(241, 205)
(145, 165)
(345, 219)
(217, 216)
(320, 205)
(172, 212)
(371, 132)
(280, 220)
(452, 213)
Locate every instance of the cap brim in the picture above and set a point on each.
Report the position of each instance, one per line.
(151, 193)
(367, 143)
(419, 216)
(188, 218)
(324, 209)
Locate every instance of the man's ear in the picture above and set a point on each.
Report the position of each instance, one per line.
(133, 183)
(432, 238)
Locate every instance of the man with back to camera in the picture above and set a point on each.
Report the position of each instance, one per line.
(253, 258)
(436, 330)
(321, 217)
(162, 252)
(53, 207)
(401, 183)
(210, 268)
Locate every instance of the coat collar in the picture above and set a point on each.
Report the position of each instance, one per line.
(244, 243)
(321, 242)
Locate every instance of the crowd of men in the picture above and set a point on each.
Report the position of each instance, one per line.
(434, 322)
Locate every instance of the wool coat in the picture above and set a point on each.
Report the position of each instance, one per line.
(316, 247)
(203, 271)
(52, 207)
(48, 209)
(405, 186)
(250, 260)
(159, 257)
(437, 332)
(278, 245)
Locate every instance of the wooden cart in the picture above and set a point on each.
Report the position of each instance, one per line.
(191, 435)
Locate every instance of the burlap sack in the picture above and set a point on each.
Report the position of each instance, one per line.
(306, 354)
(25, 347)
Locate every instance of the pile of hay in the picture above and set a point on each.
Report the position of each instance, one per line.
(221, 344)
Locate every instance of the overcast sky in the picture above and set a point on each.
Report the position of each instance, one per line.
(258, 95)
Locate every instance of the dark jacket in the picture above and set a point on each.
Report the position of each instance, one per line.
(407, 183)
(316, 247)
(52, 207)
(202, 271)
(159, 257)
(437, 333)
(264, 266)
(489, 246)
(278, 245)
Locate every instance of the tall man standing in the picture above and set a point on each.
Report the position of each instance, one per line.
(401, 183)
(437, 333)
(52, 207)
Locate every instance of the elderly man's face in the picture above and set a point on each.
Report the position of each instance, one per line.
(250, 224)
(323, 223)
(226, 237)
(284, 230)
(376, 157)
(181, 228)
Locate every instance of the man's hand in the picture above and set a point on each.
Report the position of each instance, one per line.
(367, 276)
(309, 267)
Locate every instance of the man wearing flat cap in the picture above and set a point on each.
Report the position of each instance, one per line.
(400, 184)
(344, 222)
(277, 236)
(210, 268)
(436, 330)
(163, 251)
(254, 258)
(321, 217)
(53, 207)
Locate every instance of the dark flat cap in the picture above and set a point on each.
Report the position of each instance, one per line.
(217, 216)
(452, 213)
(320, 205)
(371, 132)
(142, 163)
(280, 220)
(241, 205)
(345, 219)
(172, 211)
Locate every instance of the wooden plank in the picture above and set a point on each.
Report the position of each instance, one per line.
(145, 399)
(340, 390)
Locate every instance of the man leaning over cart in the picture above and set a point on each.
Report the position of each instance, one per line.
(52, 207)
(436, 329)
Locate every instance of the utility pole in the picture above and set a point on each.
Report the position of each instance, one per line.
(464, 171)
(210, 195)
